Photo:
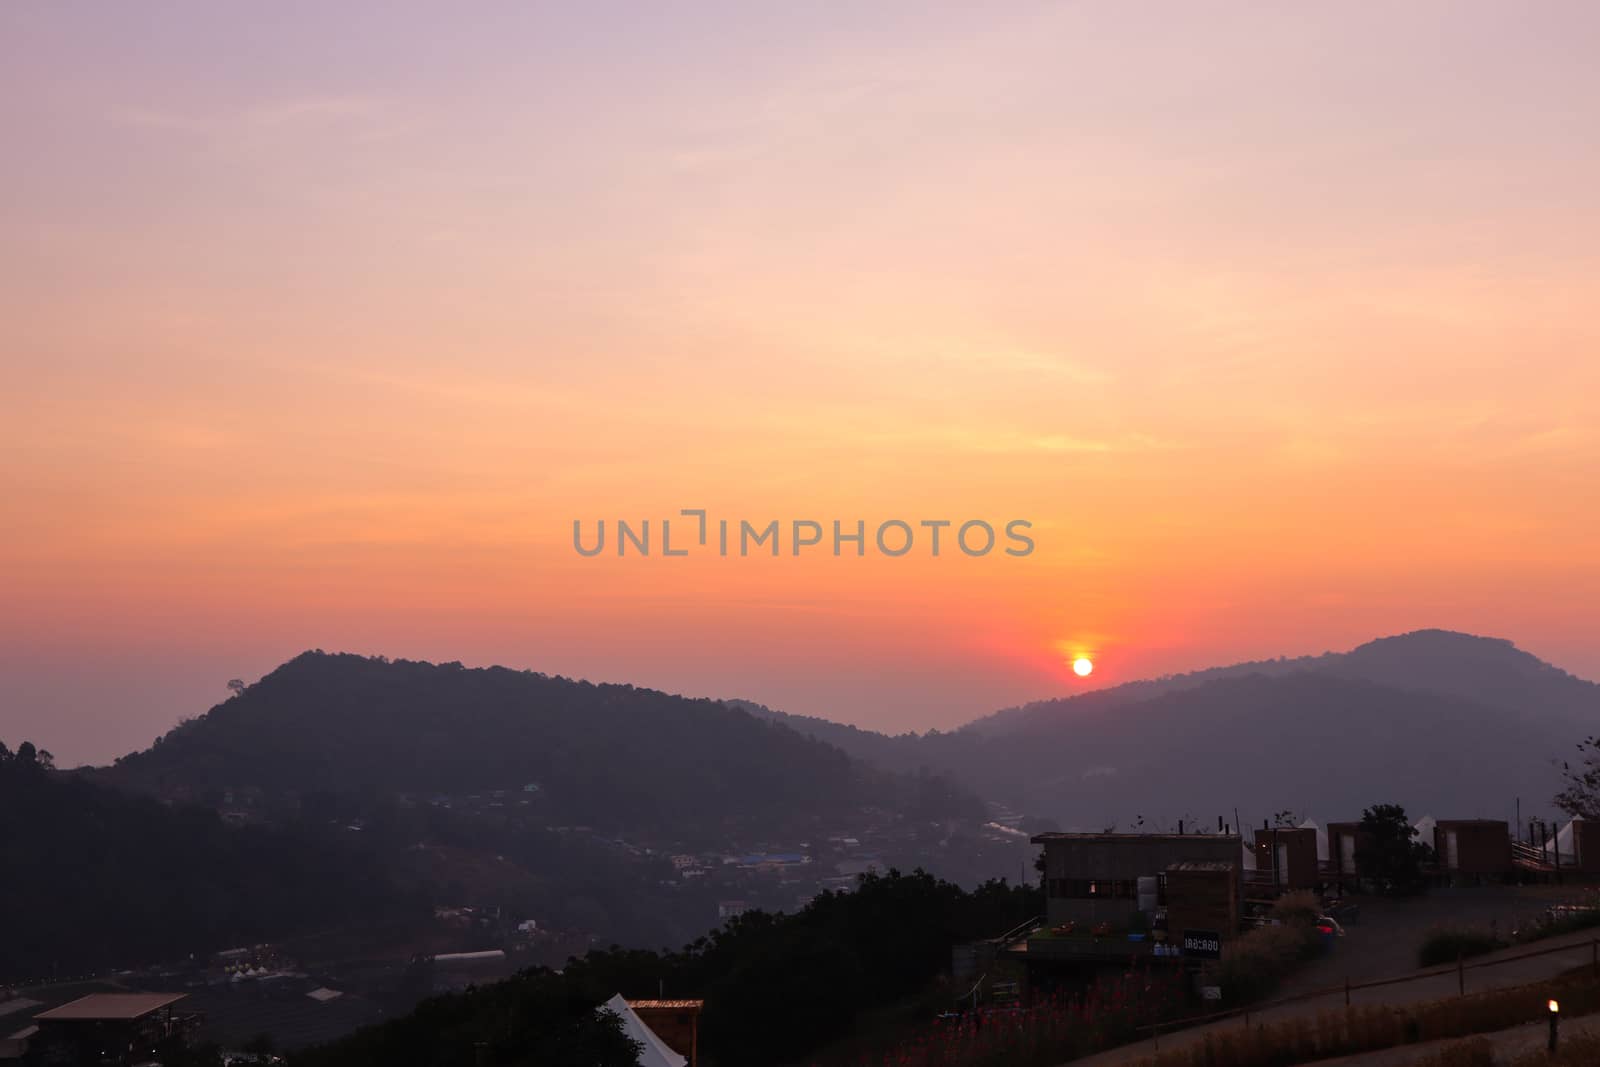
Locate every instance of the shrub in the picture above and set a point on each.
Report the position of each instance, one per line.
(1254, 964)
(1561, 919)
(1046, 1032)
(1300, 906)
(1448, 944)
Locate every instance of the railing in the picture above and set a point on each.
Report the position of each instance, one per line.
(1545, 856)
(1018, 932)
(1523, 851)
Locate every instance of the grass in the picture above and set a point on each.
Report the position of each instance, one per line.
(1352, 1031)
(1256, 963)
(1581, 1051)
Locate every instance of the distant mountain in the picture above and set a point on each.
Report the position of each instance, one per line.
(1485, 670)
(1481, 669)
(611, 757)
(884, 750)
(95, 877)
(1447, 722)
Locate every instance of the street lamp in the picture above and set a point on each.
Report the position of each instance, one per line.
(1555, 1022)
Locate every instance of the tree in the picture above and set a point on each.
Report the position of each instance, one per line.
(236, 686)
(1581, 797)
(1386, 850)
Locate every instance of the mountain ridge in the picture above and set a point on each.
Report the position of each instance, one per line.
(1468, 689)
(606, 754)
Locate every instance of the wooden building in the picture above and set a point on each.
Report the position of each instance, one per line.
(1203, 895)
(109, 1029)
(1288, 856)
(1585, 846)
(1345, 839)
(1093, 878)
(1473, 847)
(676, 1022)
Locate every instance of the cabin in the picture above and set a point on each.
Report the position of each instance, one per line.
(1345, 840)
(1585, 842)
(1473, 848)
(1286, 858)
(107, 1028)
(1202, 895)
(1106, 878)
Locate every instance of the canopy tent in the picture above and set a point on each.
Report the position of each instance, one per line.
(656, 1052)
(1564, 847)
(1322, 839)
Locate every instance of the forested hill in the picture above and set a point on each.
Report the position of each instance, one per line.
(608, 756)
(95, 877)
(777, 988)
(1442, 721)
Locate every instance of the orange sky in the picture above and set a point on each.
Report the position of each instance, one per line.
(320, 331)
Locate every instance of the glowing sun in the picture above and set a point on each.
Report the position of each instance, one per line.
(1082, 666)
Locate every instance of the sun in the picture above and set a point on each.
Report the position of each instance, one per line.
(1082, 666)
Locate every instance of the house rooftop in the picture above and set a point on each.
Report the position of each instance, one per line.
(104, 1007)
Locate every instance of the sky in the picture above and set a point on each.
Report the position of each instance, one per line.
(322, 325)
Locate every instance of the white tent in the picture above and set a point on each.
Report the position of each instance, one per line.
(1564, 845)
(1322, 839)
(656, 1052)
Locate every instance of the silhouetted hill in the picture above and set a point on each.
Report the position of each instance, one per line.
(1440, 721)
(1486, 670)
(607, 756)
(883, 750)
(95, 877)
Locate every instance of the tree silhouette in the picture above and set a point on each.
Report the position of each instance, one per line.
(1386, 851)
(1581, 797)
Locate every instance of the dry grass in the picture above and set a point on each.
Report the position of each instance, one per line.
(1367, 1029)
(1258, 961)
